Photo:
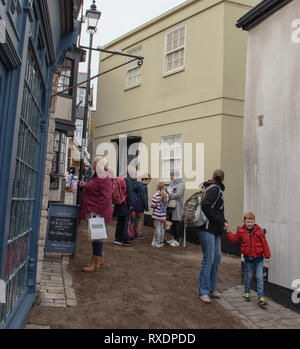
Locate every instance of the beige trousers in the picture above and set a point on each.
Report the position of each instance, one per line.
(140, 220)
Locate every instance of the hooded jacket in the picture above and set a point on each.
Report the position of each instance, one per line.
(140, 197)
(213, 207)
(253, 244)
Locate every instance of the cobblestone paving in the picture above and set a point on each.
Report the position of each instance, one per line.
(56, 283)
(251, 315)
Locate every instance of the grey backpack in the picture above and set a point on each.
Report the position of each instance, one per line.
(192, 214)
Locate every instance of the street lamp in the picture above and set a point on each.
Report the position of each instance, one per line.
(92, 16)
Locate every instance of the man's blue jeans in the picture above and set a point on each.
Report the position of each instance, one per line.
(212, 255)
(258, 263)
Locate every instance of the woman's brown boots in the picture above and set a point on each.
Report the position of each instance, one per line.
(96, 264)
(100, 262)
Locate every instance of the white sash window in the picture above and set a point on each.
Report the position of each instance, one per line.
(175, 50)
(134, 71)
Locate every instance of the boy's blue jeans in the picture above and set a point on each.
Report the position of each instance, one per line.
(258, 263)
(211, 247)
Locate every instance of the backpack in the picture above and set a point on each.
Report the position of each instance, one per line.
(119, 191)
(192, 214)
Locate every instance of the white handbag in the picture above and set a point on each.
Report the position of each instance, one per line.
(97, 228)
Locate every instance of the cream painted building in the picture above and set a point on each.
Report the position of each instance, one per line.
(190, 89)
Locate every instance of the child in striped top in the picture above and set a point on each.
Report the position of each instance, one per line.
(159, 205)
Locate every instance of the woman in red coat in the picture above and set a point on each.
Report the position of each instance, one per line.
(96, 199)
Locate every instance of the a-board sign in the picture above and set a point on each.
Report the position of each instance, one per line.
(62, 228)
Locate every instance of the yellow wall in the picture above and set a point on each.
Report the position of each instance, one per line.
(204, 102)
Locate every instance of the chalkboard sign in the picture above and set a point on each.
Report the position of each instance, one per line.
(62, 228)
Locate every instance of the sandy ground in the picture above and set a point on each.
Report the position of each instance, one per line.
(141, 287)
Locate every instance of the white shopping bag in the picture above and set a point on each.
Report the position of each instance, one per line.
(97, 229)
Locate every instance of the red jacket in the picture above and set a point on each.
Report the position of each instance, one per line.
(254, 245)
(97, 197)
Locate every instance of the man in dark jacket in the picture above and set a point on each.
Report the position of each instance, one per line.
(141, 201)
(210, 236)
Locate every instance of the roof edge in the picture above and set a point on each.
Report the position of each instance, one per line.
(260, 12)
(152, 21)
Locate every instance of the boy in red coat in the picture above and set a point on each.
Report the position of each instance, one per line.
(254, 247)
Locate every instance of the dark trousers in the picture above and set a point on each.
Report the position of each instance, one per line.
(97, 248)
(176, 230)
(120, 229)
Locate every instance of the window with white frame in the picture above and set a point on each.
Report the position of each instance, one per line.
(175, 50)
(134, 71)
(171, 151)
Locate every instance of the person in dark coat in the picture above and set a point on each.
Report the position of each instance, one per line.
(210, 236)
(141, 201)
(123, 211)
(96, 199)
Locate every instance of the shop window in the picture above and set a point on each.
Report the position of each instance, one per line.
(24, 191)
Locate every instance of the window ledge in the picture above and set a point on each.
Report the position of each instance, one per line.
(179, 70)
(131, 87)
(65, 95)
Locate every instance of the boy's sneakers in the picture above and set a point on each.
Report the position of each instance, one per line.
(261, 301)
(246, 297)
(174, 243)
(170, 241)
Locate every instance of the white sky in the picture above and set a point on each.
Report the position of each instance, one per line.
(120, 17)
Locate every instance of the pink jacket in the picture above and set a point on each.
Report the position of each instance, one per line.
(97, 197)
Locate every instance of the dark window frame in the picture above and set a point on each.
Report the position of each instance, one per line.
(66, 78)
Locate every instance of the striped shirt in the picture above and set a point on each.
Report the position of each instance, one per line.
(159, 207)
